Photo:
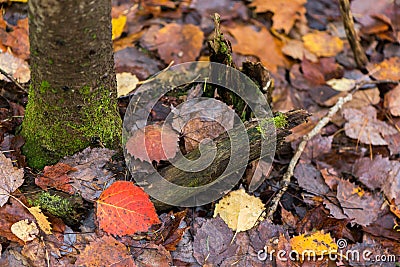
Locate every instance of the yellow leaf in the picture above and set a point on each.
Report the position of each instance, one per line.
(20, 1)
(322, 44)
(118, 25)
(239, 210)
(41, 219)
(342, 85)
(317, 244)
(25, 231)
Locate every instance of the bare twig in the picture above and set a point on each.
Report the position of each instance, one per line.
(11, 78)
(358, 51)
(321, 124)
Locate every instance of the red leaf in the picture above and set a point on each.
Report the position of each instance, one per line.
(124, 209)
(154, 142)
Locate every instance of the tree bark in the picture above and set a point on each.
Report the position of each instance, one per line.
(72, 98)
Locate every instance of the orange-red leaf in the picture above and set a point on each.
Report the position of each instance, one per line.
(124, 209)
(154, 142)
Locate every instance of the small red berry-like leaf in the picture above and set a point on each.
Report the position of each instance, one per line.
(153, 142)
(124, 209)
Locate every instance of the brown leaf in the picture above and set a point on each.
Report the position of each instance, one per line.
(18, 39)
(179, 43)
(91, 175)
(154, 256)
(10, 178)
(105, 251)
(365, 127)
(153, 142)
(211, 241)
(171, 231)
(56, 176)
(296, 50)
(392, 101)
(364, 207)
(372, 173)
(259, 43)
(285, 12)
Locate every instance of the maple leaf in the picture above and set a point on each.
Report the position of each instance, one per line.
(124, 209)
(10, 178)
(239, 210)
(154, 142)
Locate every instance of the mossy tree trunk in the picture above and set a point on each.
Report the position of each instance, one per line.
(72, 99)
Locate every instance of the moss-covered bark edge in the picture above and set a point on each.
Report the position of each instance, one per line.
(65, 133)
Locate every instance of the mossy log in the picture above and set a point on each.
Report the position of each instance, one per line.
(189, 179)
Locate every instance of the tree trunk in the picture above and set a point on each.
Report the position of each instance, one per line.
(72, 98)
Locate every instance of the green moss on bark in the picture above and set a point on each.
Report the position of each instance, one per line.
(63, 126)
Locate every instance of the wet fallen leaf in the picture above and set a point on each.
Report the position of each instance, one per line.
(18, 39)
(322, 44)
(392, 101)
(365, 127)
(154, 142)
(285, 12)
(172, 229)
(372, 173)
(105, 251)
(268, 50)
(56, 176)
(239, 210)
(124, 209)
(179, 43)
(10, 178)
(24, 230)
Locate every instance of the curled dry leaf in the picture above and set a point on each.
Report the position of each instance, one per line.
(153, 142)
(389, 69)
(10, 178)
(24, 230)
(124, 209)
(239, 210)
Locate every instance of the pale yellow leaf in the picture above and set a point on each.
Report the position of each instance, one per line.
(342, 85)
(322, 44)
(118, 25)
(41, 219)
(24, 230)
(239, 210)
(126, 83)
